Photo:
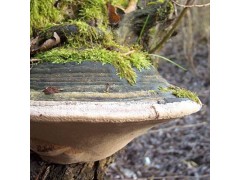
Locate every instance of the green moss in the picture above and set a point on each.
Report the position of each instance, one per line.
(161, 1)
(181, 93)
(152, 92)
(153, 2)
(140, 60)
(87, 35)
(168, 8)
(92, 41)
(78, 33)
(97, 44)
(42, 13)
(166, 11)
(94, 10)
(123, 63)
(123, 3)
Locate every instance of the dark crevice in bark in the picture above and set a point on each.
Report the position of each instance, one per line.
(96, 166)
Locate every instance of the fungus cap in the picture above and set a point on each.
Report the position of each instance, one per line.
(96, 114)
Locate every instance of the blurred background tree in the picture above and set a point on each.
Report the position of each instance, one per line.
(194, 29)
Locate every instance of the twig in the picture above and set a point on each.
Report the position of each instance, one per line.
(194, 5)
(169, 33)
(129, 52)
(179, 127)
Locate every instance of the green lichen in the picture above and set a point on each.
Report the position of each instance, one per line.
(43, 13)
(181, 93)
(123, 63)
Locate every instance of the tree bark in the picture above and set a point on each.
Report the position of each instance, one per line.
(41, 170)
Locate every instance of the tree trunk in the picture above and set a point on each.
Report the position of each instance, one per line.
(41, 170)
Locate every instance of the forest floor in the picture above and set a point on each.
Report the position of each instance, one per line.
(179, 149)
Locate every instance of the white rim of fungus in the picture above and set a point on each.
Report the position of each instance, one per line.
(114, 112)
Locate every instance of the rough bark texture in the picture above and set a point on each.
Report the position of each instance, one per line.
(41, 170)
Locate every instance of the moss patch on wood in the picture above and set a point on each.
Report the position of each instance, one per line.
(88, 43)
(123, 63)
(86, 36)
(181, 93)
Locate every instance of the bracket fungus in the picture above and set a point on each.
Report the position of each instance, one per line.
(96, 113)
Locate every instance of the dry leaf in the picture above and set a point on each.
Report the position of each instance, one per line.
(51, 90)
(50, 43)
(114, 14)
